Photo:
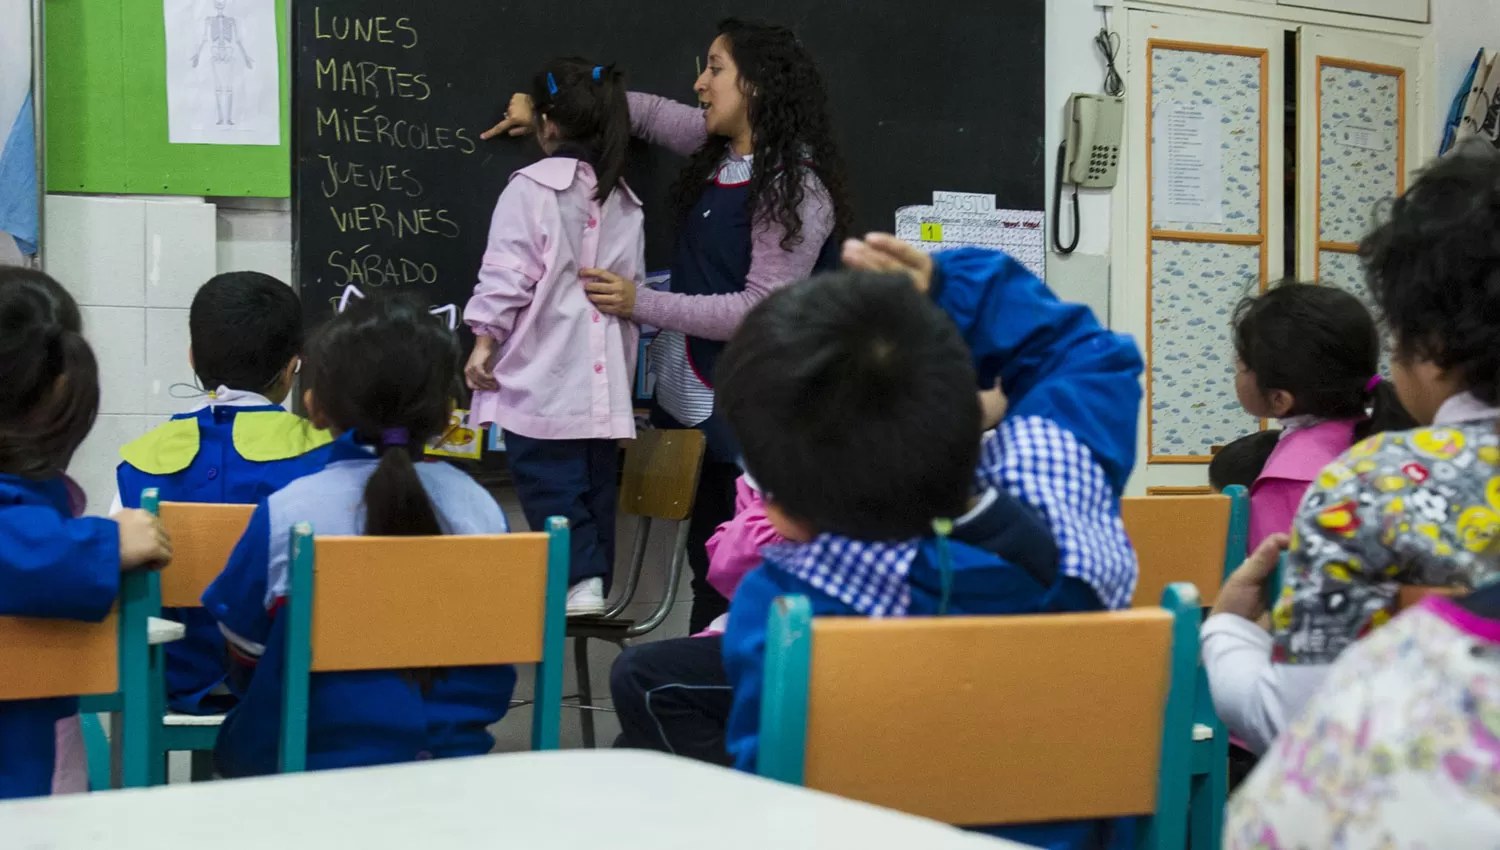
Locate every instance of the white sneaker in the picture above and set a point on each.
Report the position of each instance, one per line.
(586, 598)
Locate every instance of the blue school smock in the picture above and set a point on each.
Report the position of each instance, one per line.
(354, 718)
(51, 565)
(236, 449)
(1062, 456)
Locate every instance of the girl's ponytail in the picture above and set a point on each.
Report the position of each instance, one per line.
(396, 504)
(1386, 411)
(49, 378)
(387, 370)
(587, 103)
(614, 130)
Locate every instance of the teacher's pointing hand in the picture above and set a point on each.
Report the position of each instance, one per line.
(610, 293)
(519, 119)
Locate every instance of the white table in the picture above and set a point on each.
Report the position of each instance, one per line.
(582, 799)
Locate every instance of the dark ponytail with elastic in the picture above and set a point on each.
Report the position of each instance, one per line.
(1386, 412)
(49, 379)
(1320, 344)
(587, 103)
(387, 370)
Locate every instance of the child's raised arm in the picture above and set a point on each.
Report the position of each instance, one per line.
(1053, 358)
(52, 566)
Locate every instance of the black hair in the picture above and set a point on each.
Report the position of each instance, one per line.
(1320, 344)
(1241, 461)
(853, 400)
(1433, 266)
(387, 370)
(49, 379)
(792, 129)
(592, 115)
(246, 327)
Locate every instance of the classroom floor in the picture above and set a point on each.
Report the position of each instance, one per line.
(513, 733)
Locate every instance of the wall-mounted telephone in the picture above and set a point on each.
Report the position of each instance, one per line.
(1093, 143)
(1090, 156)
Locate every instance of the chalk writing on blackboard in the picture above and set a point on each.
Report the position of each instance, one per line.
(377, 177)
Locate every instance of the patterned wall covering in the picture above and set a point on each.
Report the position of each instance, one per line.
(1232, 85)
(1358, 150)
(1194, 288)
(1195, 285)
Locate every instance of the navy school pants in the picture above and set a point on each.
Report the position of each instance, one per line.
(674, 696)
(576, 479)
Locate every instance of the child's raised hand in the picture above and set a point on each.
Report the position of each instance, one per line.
(882, 252)
(143, 541)
(479, 372)
(518, 118)
(1244, 594)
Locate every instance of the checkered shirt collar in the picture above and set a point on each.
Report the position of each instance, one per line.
(868, 577)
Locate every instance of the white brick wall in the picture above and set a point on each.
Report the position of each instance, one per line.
(134, 264)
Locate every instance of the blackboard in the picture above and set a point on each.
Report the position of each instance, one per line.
(393, 186)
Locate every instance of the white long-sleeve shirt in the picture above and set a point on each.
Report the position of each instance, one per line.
(1255, 698)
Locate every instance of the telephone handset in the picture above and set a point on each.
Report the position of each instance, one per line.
(1093, 143)
(1090, 155)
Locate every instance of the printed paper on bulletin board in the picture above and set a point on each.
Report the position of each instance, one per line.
(107, 111)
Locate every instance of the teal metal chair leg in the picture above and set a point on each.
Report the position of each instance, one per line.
(96, 748)
(783, 702)
(297, 671)
(1210, 773)
(140, 594)
(1168, 827)
(546, 710)
(1210, 761)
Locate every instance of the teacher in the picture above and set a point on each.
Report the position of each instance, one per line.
(762, 203)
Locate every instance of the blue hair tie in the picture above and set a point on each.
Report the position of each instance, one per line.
(551, 84)
(598, 71)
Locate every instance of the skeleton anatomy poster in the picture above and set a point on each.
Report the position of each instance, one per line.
(222, 72)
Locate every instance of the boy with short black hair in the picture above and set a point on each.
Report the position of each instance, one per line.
(853, 399)
(236, 447)
(1242, 461)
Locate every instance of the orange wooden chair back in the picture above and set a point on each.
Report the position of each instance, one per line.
(483, 598)
(990, 720)
(1179, 538)
(44, 658)
(202, 538)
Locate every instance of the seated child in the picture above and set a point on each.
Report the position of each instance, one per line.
(1307, 355)
(238, 446)
(853, 398)
(1241, 462)
(381, 376)
(674, 696)
(1407, 507)
(1398, 749)
(53, 563)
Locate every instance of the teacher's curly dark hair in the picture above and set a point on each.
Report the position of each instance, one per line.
(793, 132)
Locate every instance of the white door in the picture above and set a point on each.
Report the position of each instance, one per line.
(1359, 139)
(1204, 148)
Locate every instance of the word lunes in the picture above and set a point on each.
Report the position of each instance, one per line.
(376, 30)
